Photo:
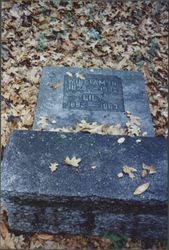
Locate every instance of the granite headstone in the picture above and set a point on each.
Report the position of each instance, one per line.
(69, 95)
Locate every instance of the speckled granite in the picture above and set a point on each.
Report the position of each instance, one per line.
(84, 200)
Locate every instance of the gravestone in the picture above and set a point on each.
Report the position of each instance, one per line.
(69, 95)
(90, 199)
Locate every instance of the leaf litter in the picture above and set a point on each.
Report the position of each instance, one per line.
(29, 42)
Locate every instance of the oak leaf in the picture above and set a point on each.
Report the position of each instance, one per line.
(150, 169)
(72, 161)
(43, 122)
(129, 171)
(144, 173)
(45, 237)
(80, 76)
(53, 166)
(142, 188)
(56, 86)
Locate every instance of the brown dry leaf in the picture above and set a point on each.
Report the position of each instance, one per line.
(72, 162)
(102, 129)
(122, 63)
(27, 120)
(121, 140)
(13, 242)
(114, 130)
(43, 122)
(133, 125)
(23, 60)
(65, 130)
(94, 128)
(56, 86)
(45, 236)
(129, 170)
(32, 74)
(150, 169)
(120, 175)
(80, 76)
(142, 188)
(134, 120)
(8, 242)
(53, 166)
(69, 74)
(3, 230)
(133, 130)
(36, 244)
(93, 167)
(144, 173)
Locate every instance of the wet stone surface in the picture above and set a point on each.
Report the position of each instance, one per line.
(69, 95)
(86, 200)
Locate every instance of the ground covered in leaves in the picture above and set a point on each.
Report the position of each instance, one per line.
(129, 35)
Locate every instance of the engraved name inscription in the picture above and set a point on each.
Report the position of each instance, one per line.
(95, 92)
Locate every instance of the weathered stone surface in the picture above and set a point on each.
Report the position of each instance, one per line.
(103, 97)
(84, 200)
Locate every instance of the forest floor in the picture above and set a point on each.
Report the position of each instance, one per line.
(128, 35)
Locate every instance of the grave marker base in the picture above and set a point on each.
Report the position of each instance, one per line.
(84, 200)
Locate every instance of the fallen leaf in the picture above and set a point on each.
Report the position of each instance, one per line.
(69, 74)
(93, 167)
(102, 129)
(56, 86)
(45, 237)
(9, 242)
(27, 119)
(3, 230)
(144, 173)
(150, 169)
(72, 162)
(142, 188)
(120, 175)
(53, 166)
(133, 125)
(121, 140)
(80, 76)
(43, 121)
(129, 171)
